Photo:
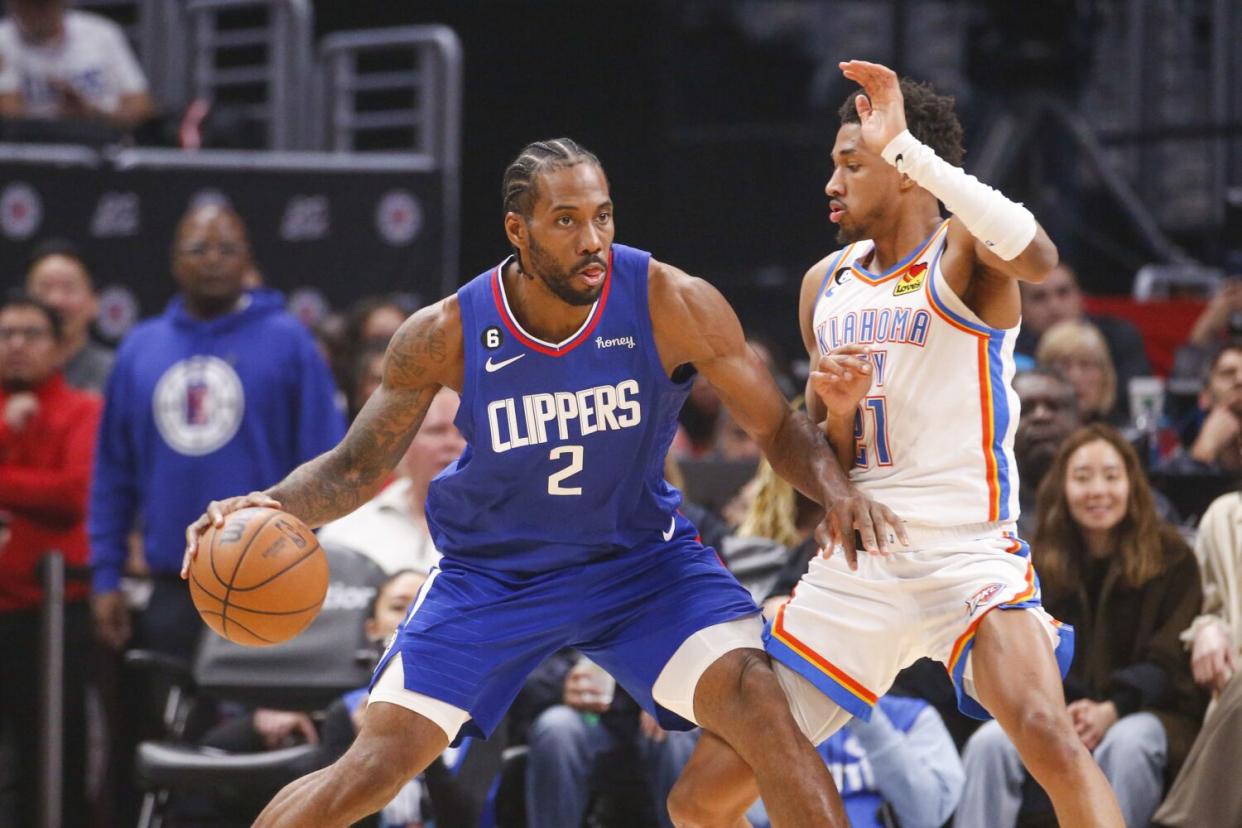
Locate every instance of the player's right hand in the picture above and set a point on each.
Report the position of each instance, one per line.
(214, 516)
(841, 378)
(875, 524)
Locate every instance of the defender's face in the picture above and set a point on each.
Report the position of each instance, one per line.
(861, 188)
(567, 239)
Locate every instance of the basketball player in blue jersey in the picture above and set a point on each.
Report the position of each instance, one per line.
(572, 358)
(911, 327)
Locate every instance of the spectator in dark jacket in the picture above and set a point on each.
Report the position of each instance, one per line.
(47, 439)
(1129, 585)
(1058, 298)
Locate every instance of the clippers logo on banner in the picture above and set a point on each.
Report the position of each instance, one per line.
(21, 210)
(118, 311)
(198, 405)
(308, 305)
(116, 215)
(399, 217)
(307, 218)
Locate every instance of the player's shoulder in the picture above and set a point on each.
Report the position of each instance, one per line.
(429, 344)
(672, 290)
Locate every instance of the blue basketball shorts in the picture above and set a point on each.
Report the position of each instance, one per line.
(475, 633)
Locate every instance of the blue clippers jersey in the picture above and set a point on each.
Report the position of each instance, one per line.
(566, 442)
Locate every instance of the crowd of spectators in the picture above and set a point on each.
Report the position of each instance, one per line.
(106, 457)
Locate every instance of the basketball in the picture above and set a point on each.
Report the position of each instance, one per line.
(259, 579)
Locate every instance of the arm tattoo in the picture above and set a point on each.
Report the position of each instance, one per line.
(337, 482)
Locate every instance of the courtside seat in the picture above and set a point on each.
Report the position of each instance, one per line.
(187, 767)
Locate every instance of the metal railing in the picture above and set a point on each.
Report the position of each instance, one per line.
(361, 93)
(240, 50)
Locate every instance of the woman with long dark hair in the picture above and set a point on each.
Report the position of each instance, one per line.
(1129, 585)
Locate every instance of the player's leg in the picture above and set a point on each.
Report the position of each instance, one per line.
(739, 699)
(717, 786)
(394, 745)
(1016, 678)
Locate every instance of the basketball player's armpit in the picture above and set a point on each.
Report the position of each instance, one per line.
(335, 483)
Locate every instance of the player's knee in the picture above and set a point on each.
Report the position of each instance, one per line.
(690, 808)
(1046, 739)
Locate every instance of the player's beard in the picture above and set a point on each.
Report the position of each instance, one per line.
(849, 232)
(559, 280)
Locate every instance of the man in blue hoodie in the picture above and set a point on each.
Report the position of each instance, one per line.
(223, 390)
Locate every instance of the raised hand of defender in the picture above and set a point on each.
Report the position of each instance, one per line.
(882, 111)
(841, 378)
(214, 516)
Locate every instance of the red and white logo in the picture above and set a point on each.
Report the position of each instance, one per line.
(21, 210)
(399, 217)
(982, 597)
(118, 311)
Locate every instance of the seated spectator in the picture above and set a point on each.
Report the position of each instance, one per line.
(1129, 586)
(1058, 298)
(57, 274)
(1218, 324)
(365, 377)
(579, 744)
(47, 439)
(391, 528)
(1205, 792)
(1049, 415)
(1211, 434)
(264, 729)
(63, 64)
(1078, 351)
(899, 768)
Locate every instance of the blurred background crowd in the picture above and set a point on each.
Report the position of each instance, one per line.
(215, 213)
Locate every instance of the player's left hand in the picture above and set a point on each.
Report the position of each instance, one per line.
(882, 110)
(1092, 720)
(841, 378)
(854, 512)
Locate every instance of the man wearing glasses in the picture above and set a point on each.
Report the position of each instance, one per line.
(47, 435)
(224, 389)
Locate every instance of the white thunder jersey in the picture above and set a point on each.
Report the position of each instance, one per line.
(934, 436)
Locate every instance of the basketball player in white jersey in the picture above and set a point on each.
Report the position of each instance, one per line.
(911, 326)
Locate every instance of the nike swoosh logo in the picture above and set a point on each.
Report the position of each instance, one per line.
(496, 366)
(672, 527)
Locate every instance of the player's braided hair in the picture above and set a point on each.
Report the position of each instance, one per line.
(929, 117)
(519, 189)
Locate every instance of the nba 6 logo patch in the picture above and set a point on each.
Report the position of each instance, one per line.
(981, 598)
(912, 280)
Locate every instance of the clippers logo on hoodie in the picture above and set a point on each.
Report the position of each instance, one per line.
(198, 405)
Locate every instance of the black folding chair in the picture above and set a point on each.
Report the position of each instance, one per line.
(328, 659)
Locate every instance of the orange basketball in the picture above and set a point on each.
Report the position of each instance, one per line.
(260, 579)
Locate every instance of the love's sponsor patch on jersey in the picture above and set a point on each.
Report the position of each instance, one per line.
(912, 280)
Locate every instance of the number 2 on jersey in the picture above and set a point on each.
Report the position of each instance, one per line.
(871, 433)
(575, 465)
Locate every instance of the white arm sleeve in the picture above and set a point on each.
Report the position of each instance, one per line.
(1005, 226)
